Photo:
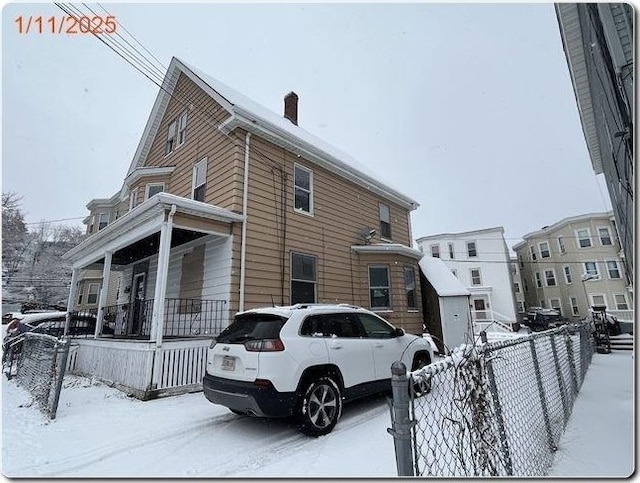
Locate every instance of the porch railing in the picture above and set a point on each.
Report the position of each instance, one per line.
(182, 318)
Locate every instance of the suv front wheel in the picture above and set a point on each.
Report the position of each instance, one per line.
(320, 408)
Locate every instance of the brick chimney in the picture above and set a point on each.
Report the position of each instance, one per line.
(291, 107)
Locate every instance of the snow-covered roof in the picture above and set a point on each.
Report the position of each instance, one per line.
(439, 275)
(251, 116)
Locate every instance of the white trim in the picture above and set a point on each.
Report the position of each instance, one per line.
(143, 171)
(148, 188)
(546, 279)
(388, 248)
(578, 238)
(311, 189)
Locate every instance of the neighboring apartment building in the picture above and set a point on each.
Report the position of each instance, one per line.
(227, 202)
(481, 261)
(598, 41)
(518, 288)
(574, 265)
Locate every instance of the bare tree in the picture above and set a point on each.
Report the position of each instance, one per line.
(15, 236)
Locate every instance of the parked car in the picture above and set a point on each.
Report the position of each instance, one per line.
(538, 319)
(303, 361)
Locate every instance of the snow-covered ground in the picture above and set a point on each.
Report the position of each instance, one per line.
(100, 432)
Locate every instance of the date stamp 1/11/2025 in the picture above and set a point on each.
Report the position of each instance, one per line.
(66, 24)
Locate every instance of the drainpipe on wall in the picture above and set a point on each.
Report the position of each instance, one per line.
(245, 200)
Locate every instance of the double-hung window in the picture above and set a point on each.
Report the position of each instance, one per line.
(303, 278)
(176, 133)
(550, 277)
(538, 280)
(385, 221)
(621, 301)
(471, 249)
(574, 306)
(379, 287)
(410, 287)
(605, 236)
(92, 296)
(591, 269)
(567, 275)
(612, 269)
(303, 189)
(182, 128)
(154, 189)
(451, 251)
(561, 246)
(533, 253)
(199, 183)
(476, 276)
(103, 220)
(584, 237)
(544, 250)
(170, 143)
(435, 251)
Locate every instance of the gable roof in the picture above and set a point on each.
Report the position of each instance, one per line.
(251, 116)
(445, 283)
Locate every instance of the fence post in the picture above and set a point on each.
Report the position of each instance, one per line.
(543, 397)
(498, 407)
(401, 425)
(572, 362)
(59, 371)
(561, 385)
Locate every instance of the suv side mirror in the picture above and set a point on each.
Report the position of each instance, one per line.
(399, 332)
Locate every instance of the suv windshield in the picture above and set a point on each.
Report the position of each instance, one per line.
(252, 327)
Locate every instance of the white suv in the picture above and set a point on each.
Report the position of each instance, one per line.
(303, 361)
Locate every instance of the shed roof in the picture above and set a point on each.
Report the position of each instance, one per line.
(439, 275)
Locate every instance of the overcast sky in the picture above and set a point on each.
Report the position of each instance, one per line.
(466, 108)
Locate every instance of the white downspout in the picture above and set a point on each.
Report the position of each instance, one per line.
(245, 201)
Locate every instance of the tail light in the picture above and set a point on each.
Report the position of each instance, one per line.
(264, 345)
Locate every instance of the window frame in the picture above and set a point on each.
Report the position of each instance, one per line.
(575, 308)
(532, 251)
(295, 279)
(435, 253)
(587, 272)
(103, 224)
(471, 277)
(561, 246)
(587, 237)
(410, 288)
(615, 301)
(475, 249)
(608, 236)
(296, 188)
(538, 280)
(547, 251)
(516, 287)
(568, 276)
(148, 187)
(385, 225)
(592, 297)
(551, 271)
(194, 179)
(452, 253)
(181, 131)
(557, 307)
(90, 293)
(387, 287)
(617, 269)
(170, 144)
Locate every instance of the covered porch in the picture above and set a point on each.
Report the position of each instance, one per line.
(166, 270)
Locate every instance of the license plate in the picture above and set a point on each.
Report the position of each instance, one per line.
(228, 363)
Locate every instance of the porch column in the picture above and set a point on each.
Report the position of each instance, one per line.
(72, 297)
(157, 319)
(106, 272)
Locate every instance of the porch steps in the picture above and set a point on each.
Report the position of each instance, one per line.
(622, 342)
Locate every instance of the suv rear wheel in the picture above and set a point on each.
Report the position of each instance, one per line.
(320, 408)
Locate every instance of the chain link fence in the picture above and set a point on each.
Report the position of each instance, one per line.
(38, 363)
(492, 409)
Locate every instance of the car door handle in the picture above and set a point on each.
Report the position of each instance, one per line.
(335, 345)
(378, 344)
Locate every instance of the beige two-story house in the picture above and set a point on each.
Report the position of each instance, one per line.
(227, 206)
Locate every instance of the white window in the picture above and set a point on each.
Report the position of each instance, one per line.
(584, 237)
(133, 199)
(605, 236)
(533, 253)
(544, 250)
(303, 278)
(516, 287)
(476, 277)
(379, 287)
(556, 305)
(103, 220)
(612, 269)
(591, 269)
(550, 277)
(435, 251)
(621, 301)
(302, 189)
(182, 128)
(153, 189)
(574, 306)
(199, 183)
(92, 296)
(451, 252)
(561, 247)
(385, 221)
(538, 280)
(598, 300)
(567, 275)
(471, 249)
(80, 294)
(520, 306)
(170, 143)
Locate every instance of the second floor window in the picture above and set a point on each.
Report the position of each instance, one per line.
(154, 189)
(303, 189)
(435, 251)
(103, 220)
(550, 277)
(199, 180)
(538, 280)
(451, 251)
(621, 301)
(92, 296)
(605, 236)
(471, 249)
(591, 269)
(385, 221)
(567, 275)
(612, 269)
(476, 277)
(544, 250)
